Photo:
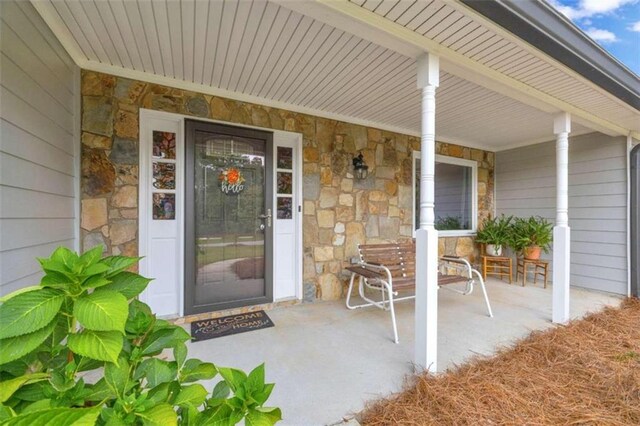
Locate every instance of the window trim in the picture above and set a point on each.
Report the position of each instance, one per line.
(474, 193)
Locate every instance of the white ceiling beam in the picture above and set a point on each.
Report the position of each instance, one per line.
(361, 22)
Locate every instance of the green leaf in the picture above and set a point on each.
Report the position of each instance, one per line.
(19, 291)
(117, 376)
(140, 318)
(56, 280)
(118, 263)
(99, 391)
(109, 417)
(41, 404)
(64, 256)
(60, 331)
(92, 256)
(34, 391)
(86, 364)
(255, 381)
(95, 281)
(28, 312)
(57, 417)
(263, 416)
(102, 311)
(164, 338)
(233, 377)
(221, 391)
(160, 415)
(223, 415)
(6, 413)
(127, 283)
(191, 395)
(180, 354)
(158, 394)
(194, 370)
(100, 345)
(16, 347)
(98, 268)
(9, 387)
(261, 396)
(16, 368)
(157, 371)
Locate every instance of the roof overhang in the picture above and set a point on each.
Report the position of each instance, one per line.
(344, 60)
(540, 25)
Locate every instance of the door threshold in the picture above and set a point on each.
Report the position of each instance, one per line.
(241, 310)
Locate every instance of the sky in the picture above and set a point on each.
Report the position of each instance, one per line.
(613, 24)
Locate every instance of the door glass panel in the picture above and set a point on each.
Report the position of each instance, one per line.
(229, 233)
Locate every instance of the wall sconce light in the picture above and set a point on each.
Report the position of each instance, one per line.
(360, 168)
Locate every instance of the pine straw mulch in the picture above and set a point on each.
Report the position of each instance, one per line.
(587, 372)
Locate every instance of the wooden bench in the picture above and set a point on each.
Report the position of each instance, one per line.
(390, 268)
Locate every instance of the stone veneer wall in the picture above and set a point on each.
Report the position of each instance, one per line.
(339, 212)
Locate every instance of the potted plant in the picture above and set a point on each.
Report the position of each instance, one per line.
(495, 233)
(531, 236)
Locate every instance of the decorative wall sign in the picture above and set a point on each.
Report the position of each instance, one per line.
(231, 181)
(285, 208)
(164, 175)
(164, 145)
(285, 158)
(164, 206)
(284, 182)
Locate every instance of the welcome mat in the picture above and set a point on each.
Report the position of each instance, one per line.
(231, 324)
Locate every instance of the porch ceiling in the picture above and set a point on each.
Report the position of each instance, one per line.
(266, 53)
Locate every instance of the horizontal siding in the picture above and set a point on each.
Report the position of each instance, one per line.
(24, 203)
(526, 185)
(38, 145)
(22, 144)
(18, 233)
(26, 281)
(20, 263)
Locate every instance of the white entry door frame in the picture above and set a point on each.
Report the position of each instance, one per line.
(161, 241)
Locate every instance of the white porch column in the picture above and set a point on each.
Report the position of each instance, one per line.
(426, 314)
(561, 232)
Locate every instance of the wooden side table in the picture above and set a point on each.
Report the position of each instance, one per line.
(498, 266)
(540, 268)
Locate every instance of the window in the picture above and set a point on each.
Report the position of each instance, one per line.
(456, 200)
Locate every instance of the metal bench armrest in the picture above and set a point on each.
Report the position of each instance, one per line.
(467, 268)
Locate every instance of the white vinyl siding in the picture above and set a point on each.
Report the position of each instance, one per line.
(38, 145)
(526, 185)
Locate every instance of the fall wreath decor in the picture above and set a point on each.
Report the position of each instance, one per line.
(231, 181)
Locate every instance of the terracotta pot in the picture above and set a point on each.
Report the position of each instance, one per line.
(493, 250)
(532, 252)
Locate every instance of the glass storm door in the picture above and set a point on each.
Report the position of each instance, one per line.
(228, 256)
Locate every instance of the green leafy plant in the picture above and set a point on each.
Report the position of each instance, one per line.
(495, 231)
(84, 321)
(530, 232)
(449, 223)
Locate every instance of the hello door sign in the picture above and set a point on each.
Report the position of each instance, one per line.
(231, 181)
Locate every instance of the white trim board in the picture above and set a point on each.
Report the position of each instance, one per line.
(161, 242)
(415, 155)
(171, 303)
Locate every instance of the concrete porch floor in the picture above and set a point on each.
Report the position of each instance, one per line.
(327, 361)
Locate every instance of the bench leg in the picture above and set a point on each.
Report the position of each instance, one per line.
(392, 311)
(360, 290)
(484, 291)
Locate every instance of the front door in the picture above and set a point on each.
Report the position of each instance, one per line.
(228, 218)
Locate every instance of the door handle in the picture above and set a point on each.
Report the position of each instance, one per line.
(267, 217)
